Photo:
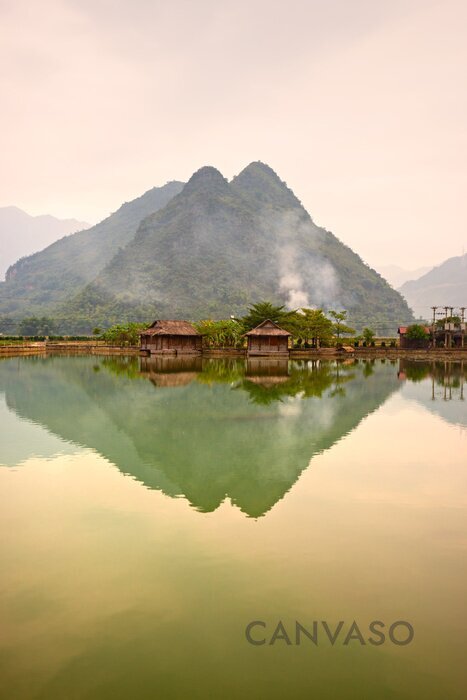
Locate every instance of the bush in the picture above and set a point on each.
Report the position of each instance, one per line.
(416, 332)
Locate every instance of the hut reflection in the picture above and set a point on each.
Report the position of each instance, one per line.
(170, 371)
(267, 372)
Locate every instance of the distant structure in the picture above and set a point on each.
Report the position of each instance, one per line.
(171, 338)
(268, 339)
(447, 330)
(413, 343)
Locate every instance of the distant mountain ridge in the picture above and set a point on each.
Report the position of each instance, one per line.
(206, 249)
(22, 234)
(40, 282)
(444, 285)
(397, 276)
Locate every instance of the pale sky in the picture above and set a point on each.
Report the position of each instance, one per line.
(360, 105)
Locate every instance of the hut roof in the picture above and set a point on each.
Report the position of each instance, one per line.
(170, 328)
(402, 330)
(268, 328)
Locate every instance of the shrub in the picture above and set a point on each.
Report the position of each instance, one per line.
(416, 332)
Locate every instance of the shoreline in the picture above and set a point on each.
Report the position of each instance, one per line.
(45, 348)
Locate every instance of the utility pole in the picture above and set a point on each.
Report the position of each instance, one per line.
(462, 325)
(433, 327)
(446, 336)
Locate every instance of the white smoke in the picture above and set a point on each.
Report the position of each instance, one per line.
(308, 279)
(290, 280)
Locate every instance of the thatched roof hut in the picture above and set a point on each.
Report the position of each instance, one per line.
(171, 337)
(268, 339)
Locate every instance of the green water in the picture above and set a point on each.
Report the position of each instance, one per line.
(152, 509)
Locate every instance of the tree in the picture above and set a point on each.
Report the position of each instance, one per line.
(368, 335)
(311, 325)
(37, 326)
(226, 333)
(416, 332)
(124, 334)
(340, 327)
(264, 310)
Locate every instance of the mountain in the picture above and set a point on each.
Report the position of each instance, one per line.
(396, 276)
(218, 247)
(445, 285)
(22, 234)
(39, 283)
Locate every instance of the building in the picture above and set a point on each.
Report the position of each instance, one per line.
(171, 338)
(441, 334)
(268, 339)
(413, 343)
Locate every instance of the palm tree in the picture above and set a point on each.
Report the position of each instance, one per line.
(266, 310)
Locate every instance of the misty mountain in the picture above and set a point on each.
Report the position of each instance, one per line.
(218, 246)
(38, 283)
(397, 276)
(22, 234)
(445, 285)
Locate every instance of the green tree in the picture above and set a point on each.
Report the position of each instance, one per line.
(124, 334)
(340, 328)
(264, 310)
(224, 333)
(416, 332)
(368, 335)
(37, 326)
(311, 326)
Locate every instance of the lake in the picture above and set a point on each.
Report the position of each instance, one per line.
(165, 524)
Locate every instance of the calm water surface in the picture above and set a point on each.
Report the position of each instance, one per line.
(151, 509)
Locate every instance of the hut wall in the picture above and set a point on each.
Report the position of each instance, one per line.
(413, 344)
(267, 344)
(174, 344)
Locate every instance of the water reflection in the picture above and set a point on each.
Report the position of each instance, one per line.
(110, 590)
(264, 380)
(439, 386)
(205, 429)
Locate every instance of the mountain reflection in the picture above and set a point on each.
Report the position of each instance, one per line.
(200, 428)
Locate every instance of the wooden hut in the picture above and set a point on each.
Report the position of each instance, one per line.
(268, 339)
(171, 338)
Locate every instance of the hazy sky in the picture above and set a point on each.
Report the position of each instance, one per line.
(360, 105)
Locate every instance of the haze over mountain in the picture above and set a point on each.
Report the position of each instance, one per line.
(397, 276)
(219, 246)
(22, 234)
(445, 285)
(208, 249)
(38, 283)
